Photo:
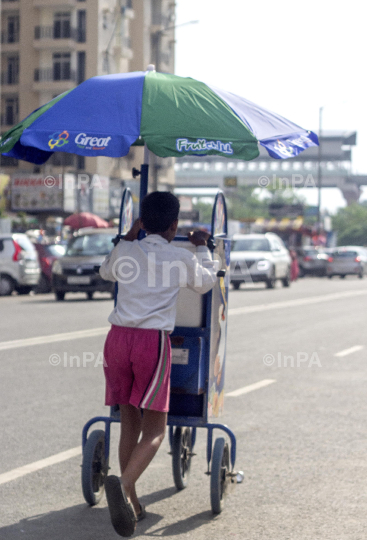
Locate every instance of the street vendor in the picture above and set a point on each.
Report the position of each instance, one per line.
(137, 351)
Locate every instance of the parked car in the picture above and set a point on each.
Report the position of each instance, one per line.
(259, 258)
(48, 254)
(75, 271)
(312, 261)
(347, 260)
(19, 266)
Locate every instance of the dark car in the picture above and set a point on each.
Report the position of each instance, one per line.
(312, 261)
(47, 254)
(76, 270)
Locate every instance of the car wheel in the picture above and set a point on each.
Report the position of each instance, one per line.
(270, 283)
(287, 280)
(24, 290)
(330, 276)
(342, 276)
(7, 285)
(90, 295)
(60, 296)
(236, 285)
(361, 274)
(43, 286)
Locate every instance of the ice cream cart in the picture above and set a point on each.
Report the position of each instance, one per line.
(197, 377)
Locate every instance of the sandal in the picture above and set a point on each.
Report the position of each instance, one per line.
(142, 514)
(121, 511)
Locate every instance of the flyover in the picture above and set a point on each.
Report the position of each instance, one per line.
(299, 172)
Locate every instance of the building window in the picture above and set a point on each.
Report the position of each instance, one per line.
(7, 161)
(62, 25)
(80, 163)
(62, 159)
(61, 66)
(81, 31)
(81, 67)
(11, 74)
(10, 113)
(11, 35)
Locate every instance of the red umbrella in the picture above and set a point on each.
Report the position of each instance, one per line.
(85, 219)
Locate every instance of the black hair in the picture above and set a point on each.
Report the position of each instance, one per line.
(159, 210)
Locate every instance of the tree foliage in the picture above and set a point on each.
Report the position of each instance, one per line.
(350, 224)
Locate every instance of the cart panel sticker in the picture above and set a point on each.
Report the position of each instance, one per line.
(180, 356)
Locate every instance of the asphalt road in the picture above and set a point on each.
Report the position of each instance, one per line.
(301, 440)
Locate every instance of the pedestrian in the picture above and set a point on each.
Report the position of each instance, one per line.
(137, 351)
(294, 265)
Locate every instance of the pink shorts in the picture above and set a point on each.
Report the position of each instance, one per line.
(137, 367)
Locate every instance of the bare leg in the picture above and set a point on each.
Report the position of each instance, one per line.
(131, 422)
(153, 431)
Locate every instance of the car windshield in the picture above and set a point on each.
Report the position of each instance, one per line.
(251, 244)
(90, 244)
(345, 254)
(55, 250)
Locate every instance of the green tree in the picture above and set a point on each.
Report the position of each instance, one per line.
(350, 224)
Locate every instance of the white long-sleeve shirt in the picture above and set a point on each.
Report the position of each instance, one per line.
(150, 273)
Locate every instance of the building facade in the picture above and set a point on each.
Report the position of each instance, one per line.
(50, 46)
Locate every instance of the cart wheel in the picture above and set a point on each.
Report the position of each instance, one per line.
(181, 456)
(94, 467)
(218, 478)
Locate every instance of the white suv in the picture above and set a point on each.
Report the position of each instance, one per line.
(19, 264)
(259, 257)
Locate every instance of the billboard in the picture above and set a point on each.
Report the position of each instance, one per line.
(32, 193)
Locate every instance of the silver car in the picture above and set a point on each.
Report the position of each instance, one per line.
(259, 258)
(19, 266)
(75, 271)
(347, 260)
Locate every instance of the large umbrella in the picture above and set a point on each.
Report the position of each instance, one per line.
(173, 116)
(85, 219)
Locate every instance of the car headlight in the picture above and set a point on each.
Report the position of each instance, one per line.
(57, 268)
(263, 265)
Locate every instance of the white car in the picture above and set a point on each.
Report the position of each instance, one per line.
(19, 265)
(259, 258)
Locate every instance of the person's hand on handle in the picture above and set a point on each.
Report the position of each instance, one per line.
(198, 238)
(134, 231)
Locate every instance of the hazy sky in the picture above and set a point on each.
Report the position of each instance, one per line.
(290, 57)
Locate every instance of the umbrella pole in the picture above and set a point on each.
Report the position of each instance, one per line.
(144, 168)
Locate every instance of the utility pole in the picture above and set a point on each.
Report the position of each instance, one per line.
(319, 172)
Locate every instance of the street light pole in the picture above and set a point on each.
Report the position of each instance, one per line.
(319, 172)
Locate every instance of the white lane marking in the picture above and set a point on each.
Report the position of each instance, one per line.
(251, 387)
(351, 350)
(5, 345)
(294, 303)
(40, 340)
(41, 464)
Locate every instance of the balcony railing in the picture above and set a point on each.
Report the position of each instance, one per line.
(9, 37)
(49, 32)
(9, 78)
(51, 74)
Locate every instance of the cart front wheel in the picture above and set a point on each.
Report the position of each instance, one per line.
(94, 467)
(181, 456)
(219, 472)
